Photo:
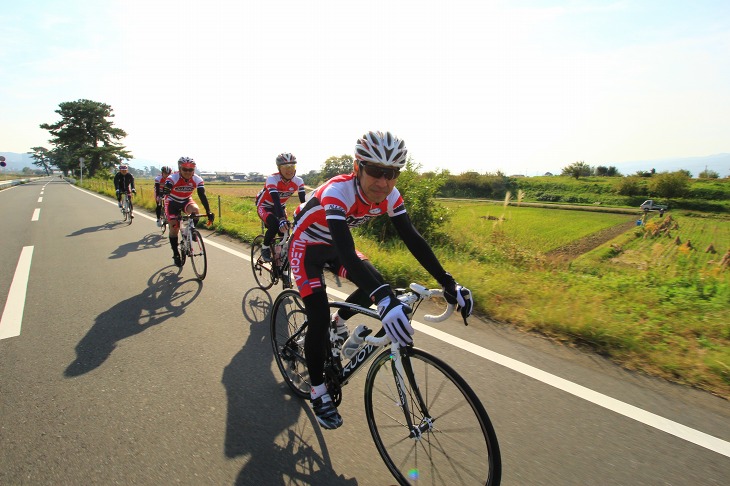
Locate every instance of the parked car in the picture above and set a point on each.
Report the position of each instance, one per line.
(651, 205)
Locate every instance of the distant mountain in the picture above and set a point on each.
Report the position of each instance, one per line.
(720, 163)
(15, 162)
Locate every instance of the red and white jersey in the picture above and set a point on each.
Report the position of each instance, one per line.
(340, 198)
(159, 182)
(180, 189)
(275, 183)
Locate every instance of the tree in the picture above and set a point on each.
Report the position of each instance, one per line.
(43, 159)
(578, 169)
(669, 184)
(629, 186)
(85, 131)
(419, 195)
(709, 174)
(336, 165)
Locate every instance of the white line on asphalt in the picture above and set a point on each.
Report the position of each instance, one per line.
(40, 199)
(12, 316)
(635, 413)
(36, 214)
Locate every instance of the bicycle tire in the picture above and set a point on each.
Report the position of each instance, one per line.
(288, 319)
(183, 250)
(263, 272)
(460, 445)
(127, 210)
(198, 258)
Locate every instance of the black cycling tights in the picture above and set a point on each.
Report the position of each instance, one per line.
(272, 228)
(316, 342)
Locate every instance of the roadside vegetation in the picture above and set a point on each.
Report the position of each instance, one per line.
(653, 297)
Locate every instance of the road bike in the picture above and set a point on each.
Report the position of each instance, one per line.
(192, 245)
(270, 273)
(127, 208)
(427, 423)
(163, 218)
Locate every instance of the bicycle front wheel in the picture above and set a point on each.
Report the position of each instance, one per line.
(263, 271)
(198, 258)
(451, 439)
(288, 329)
(127, 210)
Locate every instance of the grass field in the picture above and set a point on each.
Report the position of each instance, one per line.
(649, 297)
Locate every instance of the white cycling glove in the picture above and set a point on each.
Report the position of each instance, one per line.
(460, 296)
(394, 315)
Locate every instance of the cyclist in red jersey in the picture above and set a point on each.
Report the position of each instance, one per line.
(179, 191)
(321, 238)
(271, 200)
(165, 171)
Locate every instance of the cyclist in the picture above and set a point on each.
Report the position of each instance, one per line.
(321, 237)
(178, 188)
(271, 200)
(123, 182)
(165, 171)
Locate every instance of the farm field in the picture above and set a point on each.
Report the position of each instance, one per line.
(641, 295)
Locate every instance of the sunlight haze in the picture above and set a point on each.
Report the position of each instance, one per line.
(524, 87)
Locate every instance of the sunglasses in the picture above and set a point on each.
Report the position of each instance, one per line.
(378, 172)
(186, 170)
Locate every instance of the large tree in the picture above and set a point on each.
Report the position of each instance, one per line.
(578, 169)
(86, 131)
(42, 158)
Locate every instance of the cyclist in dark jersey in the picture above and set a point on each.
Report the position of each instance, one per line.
(124, 182)
(271, 200)
(321, 238)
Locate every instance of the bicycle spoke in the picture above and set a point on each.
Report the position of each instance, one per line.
(443, 447)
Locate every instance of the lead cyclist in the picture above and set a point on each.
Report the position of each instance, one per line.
(321, 238)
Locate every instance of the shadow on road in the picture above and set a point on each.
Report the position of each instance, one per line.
(93, 229)
(166, 296)
(264, 420)
(151, 240)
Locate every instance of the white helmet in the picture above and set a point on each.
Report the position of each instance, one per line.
(381, 148)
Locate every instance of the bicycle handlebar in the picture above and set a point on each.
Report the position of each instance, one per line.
(420, 292)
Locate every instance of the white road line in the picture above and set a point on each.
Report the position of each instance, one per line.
(12, 316)
(40, 199)
(36, 214)
(635, 413)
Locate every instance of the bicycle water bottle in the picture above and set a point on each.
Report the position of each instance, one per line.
(353, 343)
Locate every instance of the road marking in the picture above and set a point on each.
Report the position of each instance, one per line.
(36, 214)
(635, 413)
(40, 199)
(13, 313)
(658, 422)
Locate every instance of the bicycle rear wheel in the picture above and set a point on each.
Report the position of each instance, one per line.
(288, 329)
(455, 442)
(198, 258)
(263, 271)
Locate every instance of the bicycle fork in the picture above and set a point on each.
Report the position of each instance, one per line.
(401, 370)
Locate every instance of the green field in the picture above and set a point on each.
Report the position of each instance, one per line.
(651, 303)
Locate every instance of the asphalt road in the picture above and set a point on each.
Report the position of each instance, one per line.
(118, 368)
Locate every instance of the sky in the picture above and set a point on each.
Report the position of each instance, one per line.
(522, 87)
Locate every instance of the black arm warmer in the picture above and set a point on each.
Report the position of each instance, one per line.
(278, 211)
(419, 248)
(203, 199)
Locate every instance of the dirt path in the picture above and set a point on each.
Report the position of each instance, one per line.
(579, 247)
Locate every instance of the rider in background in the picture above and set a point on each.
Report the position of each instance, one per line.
(321, 238)
(123, 182)
(165, 171)
(271, 200)
(179, 188)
